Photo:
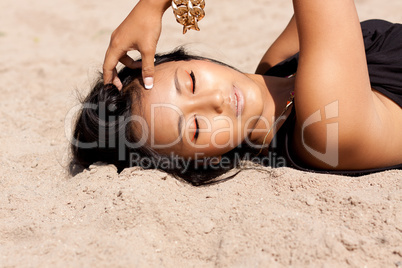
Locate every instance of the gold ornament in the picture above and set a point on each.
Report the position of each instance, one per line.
(188, 13)
(288, 104)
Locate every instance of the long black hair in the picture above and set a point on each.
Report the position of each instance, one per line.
(104, 131)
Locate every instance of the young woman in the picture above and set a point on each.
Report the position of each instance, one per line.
(330, 85)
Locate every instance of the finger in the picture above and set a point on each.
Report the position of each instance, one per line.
(116, 80)
(130, 63)
(109, 66)
(148, 69)
(108, 76)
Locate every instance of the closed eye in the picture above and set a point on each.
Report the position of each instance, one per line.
(197, 128)
(192, 80)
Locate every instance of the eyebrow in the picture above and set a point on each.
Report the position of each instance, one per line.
(176, 82)
(180, 127)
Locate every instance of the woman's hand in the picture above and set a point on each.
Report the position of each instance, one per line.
(139, 31)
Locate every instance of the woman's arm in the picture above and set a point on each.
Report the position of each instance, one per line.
(139, 31)
(285, 46)
(332, 64)
(333, 87)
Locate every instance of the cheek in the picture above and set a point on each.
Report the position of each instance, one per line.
(161, 135)
(225, 133)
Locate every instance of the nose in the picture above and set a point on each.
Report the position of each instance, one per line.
(207, 101)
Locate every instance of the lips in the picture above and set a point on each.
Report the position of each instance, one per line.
(238, 101)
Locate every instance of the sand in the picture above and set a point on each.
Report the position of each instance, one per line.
(264, 217)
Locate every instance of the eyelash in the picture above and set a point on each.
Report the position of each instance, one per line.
(197, 127)
(192, 80)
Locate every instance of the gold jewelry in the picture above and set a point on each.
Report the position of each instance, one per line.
(188, 13)
(288, 104)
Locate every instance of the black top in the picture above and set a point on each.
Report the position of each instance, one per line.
(383, 45)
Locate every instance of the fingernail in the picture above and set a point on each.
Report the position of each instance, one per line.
(148, 82)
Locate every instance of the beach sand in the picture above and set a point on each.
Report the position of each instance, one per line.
(52, 49)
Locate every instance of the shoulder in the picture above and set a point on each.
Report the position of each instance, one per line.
(328, 141)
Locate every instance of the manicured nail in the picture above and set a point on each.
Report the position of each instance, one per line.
(148, 82)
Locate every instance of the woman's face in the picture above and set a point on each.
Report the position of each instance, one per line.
(199, 108)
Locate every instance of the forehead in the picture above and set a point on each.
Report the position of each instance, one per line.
(159, 108)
